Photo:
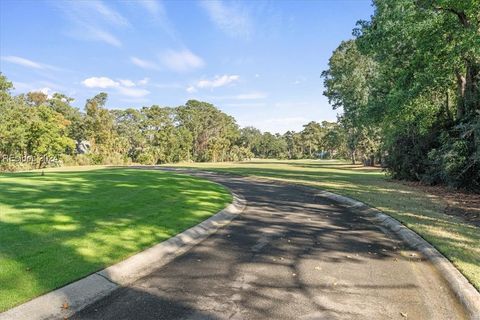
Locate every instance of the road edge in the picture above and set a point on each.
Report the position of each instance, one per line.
(66, 301)
(465, 292)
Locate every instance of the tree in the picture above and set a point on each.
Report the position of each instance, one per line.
(349, 85)
(99, 126)
(250, 138)
(46, 135)
(62, 104)
(412, 77)
(312, 135)
(36, 98)
(213, 131)
(130, 127)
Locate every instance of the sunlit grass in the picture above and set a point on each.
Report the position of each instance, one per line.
(457, 240)
(66, 224)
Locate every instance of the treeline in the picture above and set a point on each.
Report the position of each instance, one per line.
(36, 128)
(409, 86)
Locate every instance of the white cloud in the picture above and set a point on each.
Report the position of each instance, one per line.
(218, 81)
(26, 62)
(144, 81)
(91, 20)
(45, 87)
(107, 13)
(157, 10)
(125, 87)
(133, 92)
(95, 33)
(145, 64)
(231, 19)
(100, 82)
(23, 62)
(47, 91)
(181, 61)
(127, 83)
(191, 89)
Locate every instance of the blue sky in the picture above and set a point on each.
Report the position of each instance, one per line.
(259, 61)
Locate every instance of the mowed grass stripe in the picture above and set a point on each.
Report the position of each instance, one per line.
(62, 226)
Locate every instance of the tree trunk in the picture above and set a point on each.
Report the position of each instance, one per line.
(461, 96)
(353, 157)
(468, 90)
(472, 89)
(448, 114)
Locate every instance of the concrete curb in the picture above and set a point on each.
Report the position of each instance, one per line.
(65, 301)
(465, 292)
(468, 296)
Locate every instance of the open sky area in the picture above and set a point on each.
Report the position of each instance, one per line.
(259, 61)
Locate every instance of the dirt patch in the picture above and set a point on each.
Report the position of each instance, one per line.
(465, 205)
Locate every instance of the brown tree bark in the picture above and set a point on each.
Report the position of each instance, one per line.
(461, 95)
(468, 90)
(472, 89)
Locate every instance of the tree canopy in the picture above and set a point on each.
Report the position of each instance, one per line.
(410, 83)
(38, 125)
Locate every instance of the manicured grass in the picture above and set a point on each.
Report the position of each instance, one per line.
(457, 240)
(64, 225)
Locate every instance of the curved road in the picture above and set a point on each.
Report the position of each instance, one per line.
(290, 255)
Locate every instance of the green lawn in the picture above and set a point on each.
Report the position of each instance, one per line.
(66, 224)
(457, 240)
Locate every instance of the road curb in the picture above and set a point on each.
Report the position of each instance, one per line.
(468, 296)
(465, 292)
(65, 301)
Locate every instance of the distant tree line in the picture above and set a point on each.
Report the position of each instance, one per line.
(45, 127)
(409, 86)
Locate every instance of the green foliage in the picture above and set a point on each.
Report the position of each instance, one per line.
(35, 124)
(213, 132)
(36, 131)
(349, 85)
(409, 86)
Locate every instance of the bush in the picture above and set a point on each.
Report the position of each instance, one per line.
(407, 154)
(437, 156)
(457, 162)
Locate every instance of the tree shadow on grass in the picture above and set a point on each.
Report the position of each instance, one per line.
(60, 227)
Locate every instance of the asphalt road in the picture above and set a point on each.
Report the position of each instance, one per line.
(290, 255)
